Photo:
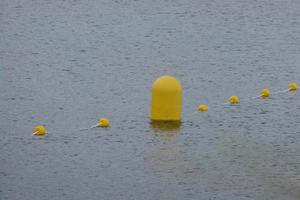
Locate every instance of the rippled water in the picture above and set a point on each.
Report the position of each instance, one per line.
(67, 63)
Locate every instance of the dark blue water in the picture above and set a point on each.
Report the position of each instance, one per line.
(67, 63)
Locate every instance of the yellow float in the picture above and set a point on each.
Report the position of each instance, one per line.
(265, 93)
(39, 130)
(293, 86)
(166, 103)
(234, 100)
(202, 108)
(103, 123)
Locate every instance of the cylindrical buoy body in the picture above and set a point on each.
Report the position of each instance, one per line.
(166, 102)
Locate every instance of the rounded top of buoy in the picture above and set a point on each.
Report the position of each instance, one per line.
(234, 100)
(293, 86)
(167, 83)
(103, 122)
(202, 108)
(40, 130)
(265, 93)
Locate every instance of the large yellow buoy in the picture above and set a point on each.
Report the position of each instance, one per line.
(166, 104)
(39, 130)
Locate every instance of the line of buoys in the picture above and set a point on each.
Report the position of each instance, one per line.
(40, 130)
(264, 93)
(166, 103)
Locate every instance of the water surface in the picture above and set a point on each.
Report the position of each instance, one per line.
(67, 63)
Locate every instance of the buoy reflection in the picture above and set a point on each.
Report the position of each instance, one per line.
(166, 130)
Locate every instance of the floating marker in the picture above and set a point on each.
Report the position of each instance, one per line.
(293, 86)
(202, 108)
(234, 100)
(166, 99)
(265, 93)
(103, 122)
(39, 130)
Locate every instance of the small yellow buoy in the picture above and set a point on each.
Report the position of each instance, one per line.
(103, 122)
(265, 93)
(39, 130)
(202, 108)
(293, 86)
(166, 101)
(234, 100)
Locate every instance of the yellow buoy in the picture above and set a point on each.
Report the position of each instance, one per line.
(202, 108)
(234, 100)
(166, 101)
(265, 93)
(293, 86)
(39, 130)
(103, 122)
